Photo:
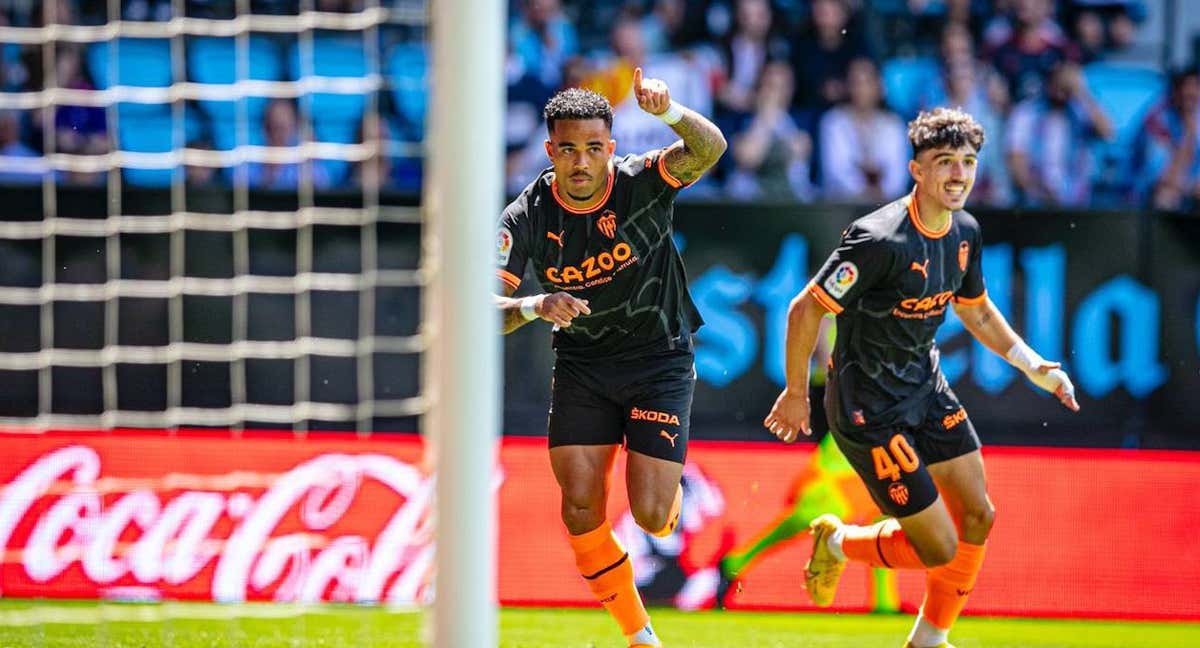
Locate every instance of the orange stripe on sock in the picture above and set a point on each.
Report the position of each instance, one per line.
(881, 545)
(608, 572)
(947, 587)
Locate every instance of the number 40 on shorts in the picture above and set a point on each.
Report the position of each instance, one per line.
(897, 456)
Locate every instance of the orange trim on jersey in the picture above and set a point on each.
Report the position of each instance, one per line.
(914, 215)
(509, 278)
(971, 301)
(586, 210)
(823, 298)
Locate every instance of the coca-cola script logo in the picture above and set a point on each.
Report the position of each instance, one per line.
(342, 527)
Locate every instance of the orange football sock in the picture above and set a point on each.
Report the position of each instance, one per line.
(673, 518)
(609, 574)
(947, 586)
(883, 544)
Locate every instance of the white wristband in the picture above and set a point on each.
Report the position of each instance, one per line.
(529, 308)
(672, 114)
(1024, 358)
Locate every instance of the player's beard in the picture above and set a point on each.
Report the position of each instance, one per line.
(589, 196)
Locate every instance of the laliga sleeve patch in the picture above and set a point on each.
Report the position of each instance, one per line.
(504, 243)
(842, 279)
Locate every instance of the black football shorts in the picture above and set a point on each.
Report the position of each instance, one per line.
(644, 403)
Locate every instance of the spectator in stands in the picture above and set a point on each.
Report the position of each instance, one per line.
(634, 129)
(374, 129)
(198, 175)
(21, 165)
(79, 130)
(746, 50)
(821, 56)
(977, 89)
(147, 10)
(13, 73)
(1025, 53)
(662, 25)
(1168, 146)
(60, 12)
(957, 45)
(863, 146)
(280, 126)
(907, 25)
(1105, 26)
(1049, 141)
(543, 38)
(771, 155)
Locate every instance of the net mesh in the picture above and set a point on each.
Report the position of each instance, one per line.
(180, 276)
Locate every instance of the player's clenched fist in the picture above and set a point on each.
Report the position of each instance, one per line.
(560, 308)
(652, 94)
(789, 416)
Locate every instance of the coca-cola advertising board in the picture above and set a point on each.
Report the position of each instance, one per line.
(207, 515)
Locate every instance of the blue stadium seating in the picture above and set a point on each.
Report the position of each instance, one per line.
(150, 134)
(214, 60)
(1124, 92)
(141, 62)
(903, 80)
(334, 56)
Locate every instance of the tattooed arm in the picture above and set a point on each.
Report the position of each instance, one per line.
(557, 308)
(702, 143)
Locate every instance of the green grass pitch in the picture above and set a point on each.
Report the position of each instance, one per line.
(190, 625)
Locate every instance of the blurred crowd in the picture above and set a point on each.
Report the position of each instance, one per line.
(813, 95)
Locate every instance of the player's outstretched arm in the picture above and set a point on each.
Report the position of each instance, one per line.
(703, 142)
(557, 308)
(789, 415)
(988, 325)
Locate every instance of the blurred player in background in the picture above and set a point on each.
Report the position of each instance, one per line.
(889, 407)
(597, 231)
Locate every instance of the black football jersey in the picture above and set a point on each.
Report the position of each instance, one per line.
(618, 255)
(889, 282)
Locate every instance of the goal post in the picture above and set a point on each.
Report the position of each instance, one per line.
(461, 200)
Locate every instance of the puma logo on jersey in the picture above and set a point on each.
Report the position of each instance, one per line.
(654, 417)
(557, 238)
(923, 268)
(669, 437)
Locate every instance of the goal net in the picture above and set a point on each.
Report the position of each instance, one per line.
(210, 234)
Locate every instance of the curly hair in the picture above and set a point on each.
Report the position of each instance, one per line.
(577, 103)
(944, 127)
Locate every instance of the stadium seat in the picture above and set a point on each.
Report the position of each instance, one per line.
(214, 60)
(406, 66)
(334, 56)
(1124, 92)
(141, 62)
(903, 79)
(145, 134)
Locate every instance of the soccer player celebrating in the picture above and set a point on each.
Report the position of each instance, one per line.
(597, 231)
(888, 404)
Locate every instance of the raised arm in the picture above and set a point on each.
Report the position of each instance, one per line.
(987, 324)
(702, 142)
(789, 416)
